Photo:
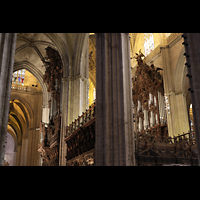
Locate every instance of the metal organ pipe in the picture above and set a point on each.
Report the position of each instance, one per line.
(146, 121)
(152, 119)
(162, 111)
(148, 87)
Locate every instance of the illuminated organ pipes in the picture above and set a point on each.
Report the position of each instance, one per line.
(148, 98)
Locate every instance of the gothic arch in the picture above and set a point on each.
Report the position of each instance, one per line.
(180, 79)
(63, 51)
(33, 44)
(81, 55)
(29, 115)
(21, 122)
(56, 41)
(37, 73)
(180, 73)
(12, 132)
(17, 131)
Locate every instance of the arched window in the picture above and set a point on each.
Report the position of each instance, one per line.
(18, 77)
(148, 43)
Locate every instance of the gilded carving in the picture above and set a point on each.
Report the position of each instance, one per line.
(53, 75)
(146, 84)
(49, 147)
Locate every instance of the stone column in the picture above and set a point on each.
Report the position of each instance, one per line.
(167, 79)
(178, 114)
(32, 155)
(18, 156)
(7, 53)
(114, 139)
(64, 122)
(79, 98)
(24, 151)
(74, 101)
(79, 81)
(14, 157)
(192, 49)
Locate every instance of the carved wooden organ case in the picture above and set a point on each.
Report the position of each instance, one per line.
(53, 76)
(49, 147)
(80, 139)
(148, 99)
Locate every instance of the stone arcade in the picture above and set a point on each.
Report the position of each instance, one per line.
(103, 99)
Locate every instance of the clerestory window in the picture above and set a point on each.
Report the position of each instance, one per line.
(148, 43)
(18, 77)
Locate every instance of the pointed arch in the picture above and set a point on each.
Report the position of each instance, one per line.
(37, 73)
(12, 132)
(23, 104)
(180, 73)
(81, 51)
(63, 51)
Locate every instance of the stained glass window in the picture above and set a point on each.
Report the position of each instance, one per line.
(148, 43)
(18, 77)
(15, 77)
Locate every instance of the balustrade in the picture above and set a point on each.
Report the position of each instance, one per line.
(81, 120)
(24, 88)
(80, 134)
(157, 150)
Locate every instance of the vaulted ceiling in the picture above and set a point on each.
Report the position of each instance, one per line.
(19, 118)
(30, 48)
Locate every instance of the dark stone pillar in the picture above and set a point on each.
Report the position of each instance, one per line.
(114, 114)
(192, 49)
(7, 54)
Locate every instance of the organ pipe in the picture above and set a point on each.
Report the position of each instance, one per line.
(148, 97)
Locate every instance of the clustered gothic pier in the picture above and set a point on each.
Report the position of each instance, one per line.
(123, 99)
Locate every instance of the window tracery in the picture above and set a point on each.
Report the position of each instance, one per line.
(18, 77)
(148, 43)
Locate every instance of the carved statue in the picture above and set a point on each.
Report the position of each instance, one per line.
(139, 57)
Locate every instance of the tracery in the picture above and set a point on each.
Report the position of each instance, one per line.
(18, 77)
(148, 43)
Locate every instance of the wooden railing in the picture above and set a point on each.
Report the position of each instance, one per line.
(49, 147)
(151, 148)
(80, 135)
(81, 120)
(149, 137)
(156, 150)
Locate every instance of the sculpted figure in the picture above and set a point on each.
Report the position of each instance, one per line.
(139, 57)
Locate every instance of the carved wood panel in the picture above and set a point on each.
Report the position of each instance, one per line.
(146, 84)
